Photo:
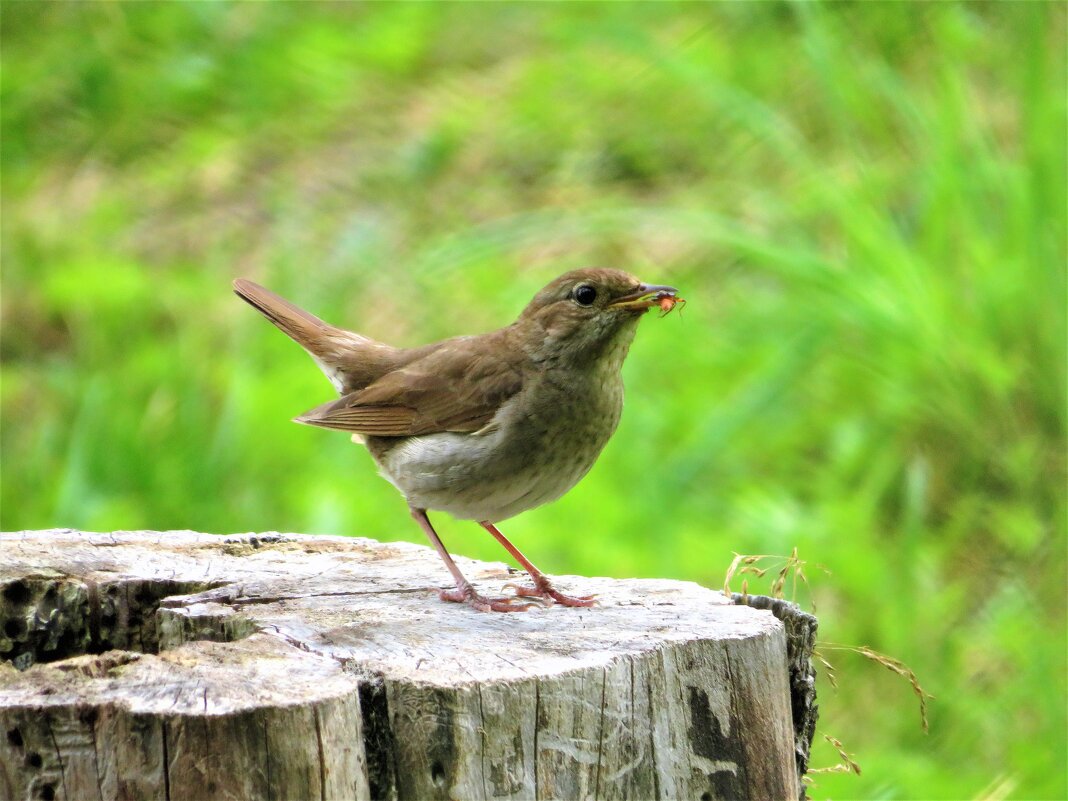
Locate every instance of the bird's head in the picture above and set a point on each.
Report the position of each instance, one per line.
(587, 315)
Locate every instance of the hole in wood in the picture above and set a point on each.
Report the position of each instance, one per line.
(437, 773)
(33, 759)
(13, 628)
(48, 792)
(48, 619)
(14, 738)
(16, 592)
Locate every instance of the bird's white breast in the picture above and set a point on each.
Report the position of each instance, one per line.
(538, 446)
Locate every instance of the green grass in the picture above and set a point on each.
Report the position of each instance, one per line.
(863, 203)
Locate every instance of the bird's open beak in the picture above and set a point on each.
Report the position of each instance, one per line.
(639, 299)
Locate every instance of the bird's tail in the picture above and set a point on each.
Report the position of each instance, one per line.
(308, 330)
(349, 360)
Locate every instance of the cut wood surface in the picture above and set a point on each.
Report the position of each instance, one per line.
(177, 665)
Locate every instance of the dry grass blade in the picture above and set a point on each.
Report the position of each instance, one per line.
(780, 581)
(731, 570)
(838, 768)
(847, 765)
(832, 676)
(894, 665)
(787, 567)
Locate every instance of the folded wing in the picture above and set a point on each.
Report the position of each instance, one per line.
(459, 386)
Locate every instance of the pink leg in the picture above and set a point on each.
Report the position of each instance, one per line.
(464, 592)
(542, 588)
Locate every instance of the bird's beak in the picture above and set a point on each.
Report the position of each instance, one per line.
(639, 299)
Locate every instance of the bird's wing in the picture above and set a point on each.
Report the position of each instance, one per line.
(457, 387)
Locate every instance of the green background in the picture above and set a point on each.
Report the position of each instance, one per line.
(864, 205)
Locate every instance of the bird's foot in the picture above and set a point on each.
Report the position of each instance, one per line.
(543, 588)
(465, 594)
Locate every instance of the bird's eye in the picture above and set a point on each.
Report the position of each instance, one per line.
(585, 295)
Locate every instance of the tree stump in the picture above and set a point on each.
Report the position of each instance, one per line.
(176, 665)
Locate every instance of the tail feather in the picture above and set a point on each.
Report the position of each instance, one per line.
(301, 326)
(349, 360)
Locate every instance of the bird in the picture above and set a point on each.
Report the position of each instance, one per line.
(487, 426)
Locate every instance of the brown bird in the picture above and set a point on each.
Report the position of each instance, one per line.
(484, 427)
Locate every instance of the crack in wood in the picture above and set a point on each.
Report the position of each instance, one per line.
(266, 758)
(93, 598)
(537, 727)
(652, 739)
(482, 739)
(89, 719)
(378, 740)
(266, 600)
(322, 758)
(166, 761)
(59, 755)
(600, 736)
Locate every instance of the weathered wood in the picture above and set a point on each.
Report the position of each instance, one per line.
(801, 630)
(180, 665)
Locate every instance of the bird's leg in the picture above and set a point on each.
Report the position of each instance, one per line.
(464, 592)
(542, 588)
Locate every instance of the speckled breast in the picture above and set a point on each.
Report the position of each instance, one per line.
(537, 447)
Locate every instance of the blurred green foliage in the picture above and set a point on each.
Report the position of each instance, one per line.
(863, 203)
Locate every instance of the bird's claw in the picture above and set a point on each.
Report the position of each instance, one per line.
(522, 591)
(467, 595)
(545, 591)
(537, 596)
